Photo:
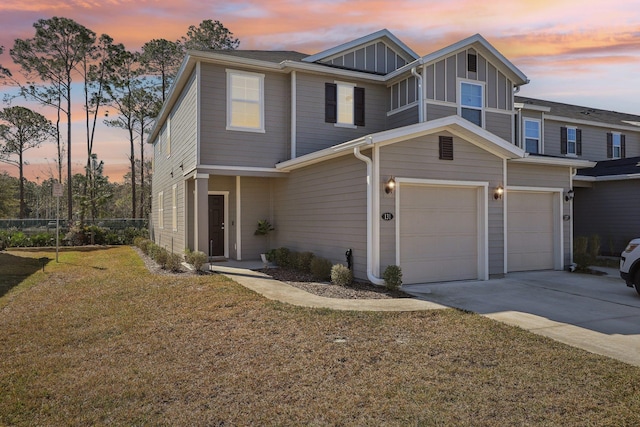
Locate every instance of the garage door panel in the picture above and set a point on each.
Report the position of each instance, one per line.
(530, 231)
(438, 233)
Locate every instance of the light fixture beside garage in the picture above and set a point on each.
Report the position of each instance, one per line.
(390, 186)
(499, 191)
(568, 195)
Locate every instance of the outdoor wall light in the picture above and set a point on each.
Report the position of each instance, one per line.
(499, 191)
(568, 195)
(390, 186)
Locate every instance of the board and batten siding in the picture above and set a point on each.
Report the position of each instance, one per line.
(313, 133)
(419, 158)
(609, 210)
(322, 208)
(179, 133)
(219, 146)
(544, 176)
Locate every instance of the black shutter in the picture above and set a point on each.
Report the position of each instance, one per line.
(446, 148)
(563, 140)
(623, 153)
(579, 142)
(330, 102)
(609, 145)
(358, 106)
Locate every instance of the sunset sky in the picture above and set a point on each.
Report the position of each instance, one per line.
(583, 52)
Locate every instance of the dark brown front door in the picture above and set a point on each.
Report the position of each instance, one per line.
(216, 225)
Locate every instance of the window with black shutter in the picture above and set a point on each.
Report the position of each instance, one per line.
(330, 102)
(446, 148)
(358, 106)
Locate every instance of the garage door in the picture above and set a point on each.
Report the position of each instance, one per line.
(438, 232)
(530, 233)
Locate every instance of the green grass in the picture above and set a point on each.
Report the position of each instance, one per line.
(97, 340)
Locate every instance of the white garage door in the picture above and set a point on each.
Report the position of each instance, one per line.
(530, 231)
(438, 233)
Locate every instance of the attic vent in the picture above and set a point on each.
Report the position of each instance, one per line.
(446, 148)
(472, 62)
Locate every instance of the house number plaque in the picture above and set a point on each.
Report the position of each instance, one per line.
(387, 216)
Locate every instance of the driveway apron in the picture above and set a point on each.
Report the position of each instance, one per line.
(599, 314)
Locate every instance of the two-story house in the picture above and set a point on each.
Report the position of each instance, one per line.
(606, 197)
(404, 159)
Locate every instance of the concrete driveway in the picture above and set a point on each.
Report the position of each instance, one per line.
(597, 313)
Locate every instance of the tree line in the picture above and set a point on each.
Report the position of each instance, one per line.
(125, 89)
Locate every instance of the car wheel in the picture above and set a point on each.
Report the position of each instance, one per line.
(637, 281)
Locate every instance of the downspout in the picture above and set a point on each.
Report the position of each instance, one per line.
(420, 95)
(370, 274)
(294, 108)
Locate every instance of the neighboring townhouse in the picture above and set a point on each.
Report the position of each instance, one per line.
(606, 197)
(404, 159)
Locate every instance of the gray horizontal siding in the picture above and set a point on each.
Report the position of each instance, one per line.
(437, 111)
(255, 206)
(313, 133)
(500, 124)
(594, 140)
(323, 209)
(219, 146)
(608, 210)
(418, 158)
(403, 118)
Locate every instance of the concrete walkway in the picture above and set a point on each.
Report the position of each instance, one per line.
(279, 291)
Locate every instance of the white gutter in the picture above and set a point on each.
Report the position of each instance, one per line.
(370, 246)
(294, 108)
(420, 95)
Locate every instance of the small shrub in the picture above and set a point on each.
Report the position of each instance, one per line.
(594, 246)
(581, 257)
(303, 262)
(19, 240)
(75, 236)
(131, 233)
(271, 255)
(173, 262)
(282, 257)
(341, 275)
(43, 239)
(112, 238)
(188, 255)
(321, 268)
(198, 259)
(292, 259)
(98, 234)
(392, 277)
(161, 255)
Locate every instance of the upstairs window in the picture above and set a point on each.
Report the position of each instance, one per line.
(571, 141)
(471, 102)
(615, 146)
(344, 104)
(532, 136)
(245, 101)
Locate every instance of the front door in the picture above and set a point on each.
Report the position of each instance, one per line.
(216, 225)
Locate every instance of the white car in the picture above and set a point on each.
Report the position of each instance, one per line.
(630, 264)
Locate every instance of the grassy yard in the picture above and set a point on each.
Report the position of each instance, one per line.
(97, 340)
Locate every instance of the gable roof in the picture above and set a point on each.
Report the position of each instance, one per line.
(617, 167)
(383, 34)
(577, 112)
(274, 56)
(479, 43)
(455, 125)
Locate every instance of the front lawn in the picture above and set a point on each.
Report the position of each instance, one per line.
(98, 340)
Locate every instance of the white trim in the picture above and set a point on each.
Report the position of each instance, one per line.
(260, 77)
(238, 219)
(556, 161)
(226, 218)
(505, 217)
(174, 207)
(346, 85)
(558, 224)
(403, 108)
(524, 133)
(590, 123)
(198, 111)
(482, 108)
(482, 209)
(161, 210)
(530, 107)
(624, 177)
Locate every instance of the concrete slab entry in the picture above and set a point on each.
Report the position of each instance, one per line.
(596, 313)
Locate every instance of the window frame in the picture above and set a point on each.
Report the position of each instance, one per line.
(161, 210)
(574, 141)
(538, 122)
(616, 136)
(462, 106)
(231, 99)
(174, 207)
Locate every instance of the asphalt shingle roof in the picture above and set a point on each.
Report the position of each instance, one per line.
(583, 113)
(628, 166)
(275, 56)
